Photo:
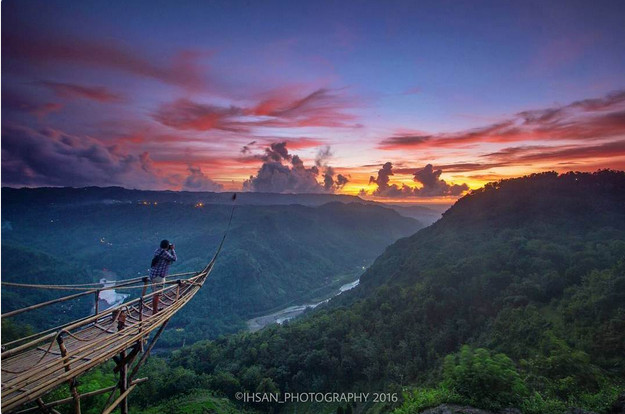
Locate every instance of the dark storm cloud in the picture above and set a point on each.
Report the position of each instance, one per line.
(51, 157)
(276, 152)
(197, 181)
(428, 177)
(246, 149)
(434, 186)
(282, 172)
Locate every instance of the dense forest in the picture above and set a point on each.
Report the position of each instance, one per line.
(515, 298)
(274, 256)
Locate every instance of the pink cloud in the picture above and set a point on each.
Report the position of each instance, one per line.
(321, 108)
(72, 91)
(559, 153)
(181, 71)
(589, 119)
(188, 115)
(53, 157)
(12, 101)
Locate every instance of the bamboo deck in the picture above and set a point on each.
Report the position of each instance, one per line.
(31, 370)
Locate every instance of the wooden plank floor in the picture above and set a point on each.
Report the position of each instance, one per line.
(33, 372)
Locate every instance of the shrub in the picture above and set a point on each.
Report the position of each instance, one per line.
(483, 380)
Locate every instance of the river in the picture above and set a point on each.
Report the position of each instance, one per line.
(109, 297)
(292, 311)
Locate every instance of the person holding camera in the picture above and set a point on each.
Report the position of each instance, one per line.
(163, 258)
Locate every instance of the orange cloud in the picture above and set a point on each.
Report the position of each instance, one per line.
(590, 119)
(543, 153)
(321, 108)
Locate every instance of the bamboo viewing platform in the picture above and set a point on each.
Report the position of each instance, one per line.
(37, 364)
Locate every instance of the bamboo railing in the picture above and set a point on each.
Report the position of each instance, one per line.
(37, 364)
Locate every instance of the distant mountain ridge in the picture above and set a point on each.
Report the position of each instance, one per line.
(70, 195)
(86, 194)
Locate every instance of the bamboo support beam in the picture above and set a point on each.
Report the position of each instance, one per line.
(72, 381)
(88, 350)
(106, 345)
(86, 343)
(123, 382)
(85, 395)
(53, 301)
(81, 322)
(80, 351)
(97, 301)
(119, 400)
(114, 338)
(42, 407)
(143, 357)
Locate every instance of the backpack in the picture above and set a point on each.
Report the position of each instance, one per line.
(155, 260)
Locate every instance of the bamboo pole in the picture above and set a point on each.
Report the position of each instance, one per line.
(81, 322)
(42, 407)
(118, 400)
(97, 301)
(72, 382)
(123, 382)
(85, 395)
(172, 309)
(82, 286)
(53, 301)
(63, 377)
(143, 357)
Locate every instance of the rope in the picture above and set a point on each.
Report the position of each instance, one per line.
(152, 323)
(38, 361)
(53, 301)
(83, 293)
(86, 320)
(188, 288)
(71, 335)
(83, 286)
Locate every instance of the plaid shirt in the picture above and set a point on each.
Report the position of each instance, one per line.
(165, 257)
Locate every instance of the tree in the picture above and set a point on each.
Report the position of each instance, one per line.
(485, 380)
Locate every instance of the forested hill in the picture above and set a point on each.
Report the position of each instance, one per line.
(68, 196)
(527, 274)
(275, 256)
(537, 215)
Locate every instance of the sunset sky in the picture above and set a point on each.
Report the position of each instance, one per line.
(398, 100)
